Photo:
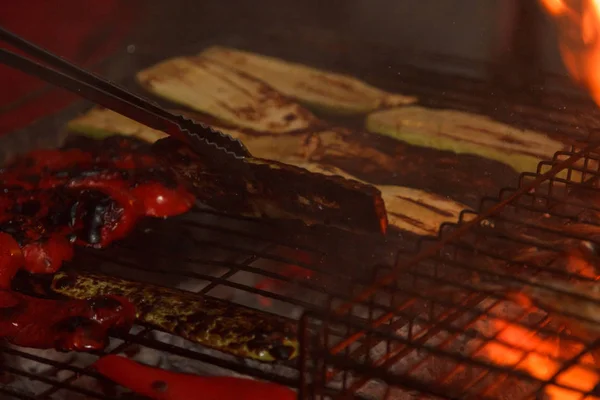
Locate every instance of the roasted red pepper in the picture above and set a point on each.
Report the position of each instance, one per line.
(11, 260)
(162, 201)
(65, 325)
(159, 384)
(43, 251)
(51, 199)
(92, 196)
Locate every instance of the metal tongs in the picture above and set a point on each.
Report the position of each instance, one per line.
(59, 72)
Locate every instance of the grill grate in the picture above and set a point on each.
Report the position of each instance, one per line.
(223, 256)
(451, 326)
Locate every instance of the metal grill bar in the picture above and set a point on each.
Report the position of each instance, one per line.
(442, 262)
(422, 315)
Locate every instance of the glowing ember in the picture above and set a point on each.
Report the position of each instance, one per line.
(579, 23)
(517, 347)
(290, 273)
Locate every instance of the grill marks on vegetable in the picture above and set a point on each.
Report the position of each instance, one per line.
(204, 85)
(205, 320)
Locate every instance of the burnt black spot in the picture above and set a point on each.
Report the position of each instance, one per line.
(159, 386)
(64, 282)
(29, 208)
(201, 318)
(92, 209)
(282, 352)
(145, 309)
(105, 302)
(8, 313)
(16, 229)
(290, 117)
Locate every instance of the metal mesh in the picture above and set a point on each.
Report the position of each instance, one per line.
(212, 254)
(428, 344)
(454, 323)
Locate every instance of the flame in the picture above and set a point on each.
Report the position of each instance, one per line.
(517, 347)
(578, 23)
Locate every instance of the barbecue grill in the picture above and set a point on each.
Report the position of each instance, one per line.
(394, 318)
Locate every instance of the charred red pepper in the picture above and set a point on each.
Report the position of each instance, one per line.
(91, 195)
(11, 260)
(159, 384)
(42, 251)
(162, 201)
(65, 325)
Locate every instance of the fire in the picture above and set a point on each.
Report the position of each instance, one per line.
(517, 347)
(288, 271)
(578, 23)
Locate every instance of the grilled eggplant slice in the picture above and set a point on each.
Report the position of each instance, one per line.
(408, 209)
(462, 132)
(206, 320)
(263, 188)
(226, 94)
(320, 90)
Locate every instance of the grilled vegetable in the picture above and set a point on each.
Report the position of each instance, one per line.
(226, 94)
(159, 384)
(461, 132)
(321, 90)
(99, 122)
(311, 198)
(90, 196)
(205, 320)
(263, 188)
(11, 260)
(413, 210)
(65, 325)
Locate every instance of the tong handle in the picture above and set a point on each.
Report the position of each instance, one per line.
(89, 77)
(111, 96)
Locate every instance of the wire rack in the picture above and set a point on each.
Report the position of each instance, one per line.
(451, 324)
(228, 256)
(213, 254)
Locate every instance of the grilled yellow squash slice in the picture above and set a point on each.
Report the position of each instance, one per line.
(462, 132)
(206, 86)
(320, 90)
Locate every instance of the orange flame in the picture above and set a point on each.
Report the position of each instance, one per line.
(578, 23)
(517, 347)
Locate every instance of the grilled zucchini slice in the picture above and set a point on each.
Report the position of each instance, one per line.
(462, 132)
(205, 320)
